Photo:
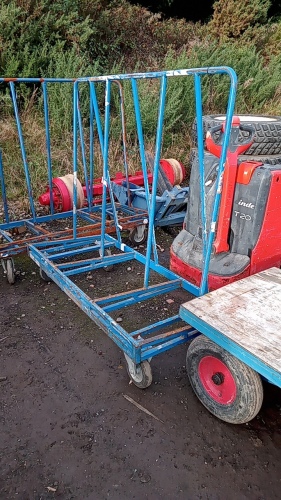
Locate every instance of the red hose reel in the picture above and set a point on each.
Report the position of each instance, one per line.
(62, 193)
(62, 187)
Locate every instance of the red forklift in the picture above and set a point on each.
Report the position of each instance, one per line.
(248, 231)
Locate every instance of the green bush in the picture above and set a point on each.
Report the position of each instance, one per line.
(232, 19)
(258, 83)
(71, 38)
(32, 33)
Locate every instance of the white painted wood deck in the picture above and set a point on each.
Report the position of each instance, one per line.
(248, 312)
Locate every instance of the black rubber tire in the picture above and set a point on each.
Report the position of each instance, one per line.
(11, 274)
(249, 389)
(134, 237)
(267, 139)
(266, 160)
(143, 376)
(44, 276)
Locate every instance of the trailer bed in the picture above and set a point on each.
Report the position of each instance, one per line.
(244, 317)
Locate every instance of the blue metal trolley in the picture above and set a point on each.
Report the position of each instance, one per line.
(223, 365)
(63, 259)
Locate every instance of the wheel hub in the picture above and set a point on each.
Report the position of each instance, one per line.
(218, 378)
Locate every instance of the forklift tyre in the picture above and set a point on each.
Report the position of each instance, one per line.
(267, 138)
(228, 388)
(264, 159)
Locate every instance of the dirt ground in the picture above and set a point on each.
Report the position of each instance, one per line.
(68, 432)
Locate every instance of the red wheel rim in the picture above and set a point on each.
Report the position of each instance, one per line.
(217, 380)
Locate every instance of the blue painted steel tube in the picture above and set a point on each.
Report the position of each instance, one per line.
(159, 325)
(124, 138)
(137, 349)
(104, 143)
(135, 299)
(158, 145)
(110, 327)
(83, 152)
(142, 152)
(3, 189)
(200, 139)
(150, 351)
(75, 158)
(37, 80)
(91, 158)
(134, 295)
(6, 236)
(23, 153)
(72, 251)
(45, 218)
(229, 115)
(118, 227)
(163, 271)
(34, 229)
(48, 144)
(141, 140)
(105, 177)
(93, 264)
(95, 105)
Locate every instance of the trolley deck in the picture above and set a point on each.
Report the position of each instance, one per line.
(139, 345)
(15, 233)
(244, 318)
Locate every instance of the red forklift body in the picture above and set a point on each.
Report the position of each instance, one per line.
(248, 234)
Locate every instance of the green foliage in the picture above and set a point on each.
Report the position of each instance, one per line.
(258, 84)
(132, 33)
(149, 98)
(232, 18)
(32, 33)
(60, 94)
(244, 23)
(71, 38)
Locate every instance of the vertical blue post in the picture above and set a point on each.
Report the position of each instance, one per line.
(97, 113)
(23, 153)
(91, 159)
(3, 189)
(104, 148)
(229, 115)
(151, 234)
(105, 176)
(48, 144)
(124, 139)
(75, 159)
(141, 140)
(83, 152)
(200, 141)
(114, 211)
